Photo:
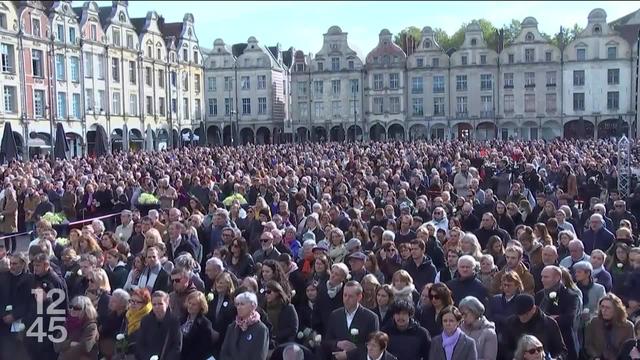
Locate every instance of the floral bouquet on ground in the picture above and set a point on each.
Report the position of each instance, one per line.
(309, 337)
(55, 218)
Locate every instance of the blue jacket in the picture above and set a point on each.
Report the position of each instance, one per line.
(461, 288)
(602, 239)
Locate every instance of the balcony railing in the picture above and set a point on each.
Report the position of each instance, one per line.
(486, 114)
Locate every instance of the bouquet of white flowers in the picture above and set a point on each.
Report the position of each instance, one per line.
(54, 218)
(147, 199)
(309, 337)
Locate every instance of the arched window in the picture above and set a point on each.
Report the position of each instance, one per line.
(597, 29)
(529, 37)
(474, 42)
(122, 17)
(426, 44)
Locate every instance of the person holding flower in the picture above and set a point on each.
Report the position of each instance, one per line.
(221, 310)
(114, 323)
(348, 327)
(197, 332)
(247, 338)
(561, 304)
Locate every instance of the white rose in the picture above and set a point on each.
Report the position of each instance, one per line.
(354, 332)
(79, 272)
(120, 337)
(293, 293)
(306, 331)
(210, 297)
(318, 338)
(585, 311)
(154, 357)
(224, 304)
(8, 308)
(619, 265)
(553, 295)
(300, 335)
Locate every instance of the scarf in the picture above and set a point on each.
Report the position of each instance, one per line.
(73, 324)
(250, 320)
(405, 293)
(307, 265)
(449, 342)
(597, 271)
(134, 317)
(273, 312)
(333, 290)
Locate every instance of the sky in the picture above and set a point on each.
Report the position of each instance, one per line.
(302, 24)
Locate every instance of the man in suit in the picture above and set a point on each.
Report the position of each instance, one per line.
(561, 304)
(177, 243)
(153, 276)
(350, 326)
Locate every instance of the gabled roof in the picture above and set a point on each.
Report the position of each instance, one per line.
(104, 13)
(238, 49)
(169, 29)
(625, 19)
(287, 57)
(629, 33)
(138, 24)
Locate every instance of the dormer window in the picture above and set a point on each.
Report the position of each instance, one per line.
(189, 32)
(426, 44)
(597, 29)
(464, 59)
(474, 42)
(529, 37)
(122, 17)
(385, 42)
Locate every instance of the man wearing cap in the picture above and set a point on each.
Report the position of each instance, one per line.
(529, 319)
(356, 263)
(560, 303)
(330, 294)
(353, 246)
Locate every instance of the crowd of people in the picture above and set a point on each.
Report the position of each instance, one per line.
(392, 250)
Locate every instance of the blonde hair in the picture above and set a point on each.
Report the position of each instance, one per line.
(402, 275)
(199, 296)
(100, 277)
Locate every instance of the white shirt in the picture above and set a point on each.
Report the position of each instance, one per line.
(148, 278)
(350, 316)
(378, 358)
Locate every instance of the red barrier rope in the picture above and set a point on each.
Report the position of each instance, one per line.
(66, 224)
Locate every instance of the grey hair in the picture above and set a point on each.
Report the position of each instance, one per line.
(474, 305)
(217, 262)
(584, 266)
(523, 345)
(121, 295)
(293, 352)
(248, 297)
(88, 310)
(186, 261)
(468, 258)
(390, 234)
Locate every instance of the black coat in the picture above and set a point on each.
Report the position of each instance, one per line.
(541, 326)
(307, 317)
(426, 317)
(197, 344)
(461, 288)
(184, 246)
(245, 266)
(287, 325)
(384, 321)
(423, 274)
(364, 320)
(326, 305)
(363, 356)
(411, 344)
(566, 310)
(220, 322)
(155, 335)
(17, 293)
(498, 311)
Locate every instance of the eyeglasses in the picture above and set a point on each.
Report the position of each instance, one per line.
(77, 308)
(139, 302)
(176, 280)
(535, 350)
(268, 291)
(434, 297)
(265, 240)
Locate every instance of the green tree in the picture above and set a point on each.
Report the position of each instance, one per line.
(511, 32)
(562, 39)
(408, 39)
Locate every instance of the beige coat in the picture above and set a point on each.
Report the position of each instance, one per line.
(9, 211)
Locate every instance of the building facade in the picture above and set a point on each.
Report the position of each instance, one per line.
(149, 85)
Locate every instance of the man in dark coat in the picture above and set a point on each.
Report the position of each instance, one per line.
(177, 243)
(488, 228)
(467, 284)
(330, 294)
(159, 332)
(419, 266)
(529, 319)
(597, 236)
(407, 339)
(561, 304)
(47, 289)
(350, 326)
